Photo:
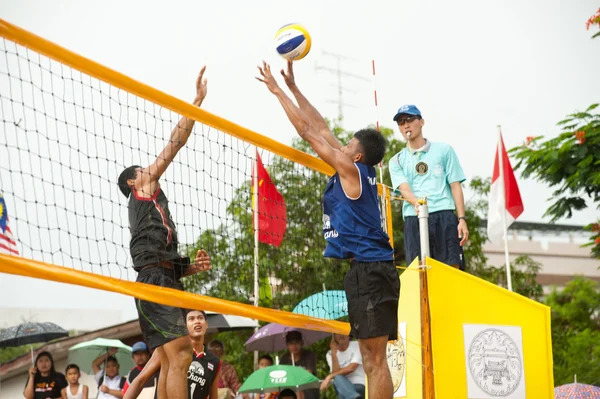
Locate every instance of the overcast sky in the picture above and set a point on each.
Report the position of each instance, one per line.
(468, 65)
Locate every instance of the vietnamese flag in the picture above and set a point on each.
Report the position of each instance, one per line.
(272, 220)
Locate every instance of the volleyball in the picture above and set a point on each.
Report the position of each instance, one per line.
(292, 42)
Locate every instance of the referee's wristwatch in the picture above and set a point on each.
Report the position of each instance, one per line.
(462, 218)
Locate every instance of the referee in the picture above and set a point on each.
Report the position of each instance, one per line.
(429, 169)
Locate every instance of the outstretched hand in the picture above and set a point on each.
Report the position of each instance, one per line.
(288, 76)
(267, 78)
(201, 86)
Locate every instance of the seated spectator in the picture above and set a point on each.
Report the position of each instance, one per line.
(75, 390)
(301, 357)
(111, 385)
(141, 355)
(229, 383)
(345, 364)
(44, 381)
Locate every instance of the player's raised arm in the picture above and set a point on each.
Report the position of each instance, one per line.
(311, 112)
(333, 156)
(147, 180)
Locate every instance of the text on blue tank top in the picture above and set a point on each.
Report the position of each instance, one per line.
(353, 228)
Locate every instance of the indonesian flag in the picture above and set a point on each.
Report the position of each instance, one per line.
(505, 204)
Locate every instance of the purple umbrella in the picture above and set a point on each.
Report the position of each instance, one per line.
(271, 337)
(576, 390)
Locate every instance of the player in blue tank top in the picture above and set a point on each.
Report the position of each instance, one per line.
(352, 228)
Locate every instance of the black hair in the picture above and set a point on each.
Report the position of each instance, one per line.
(287, 392)
(216, 343)
(293, 336)
(187, 311)
(72, 366)
(126, 174)
(373, 145)
(112, 359)
(52, 371)
(267, 357)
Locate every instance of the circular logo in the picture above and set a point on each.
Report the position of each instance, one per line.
(277, 374)
(495, 362)
(421, 168)
(396, 359)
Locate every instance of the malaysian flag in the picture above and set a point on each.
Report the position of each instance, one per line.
(7, 242)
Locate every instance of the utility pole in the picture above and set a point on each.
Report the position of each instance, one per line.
(340, 74)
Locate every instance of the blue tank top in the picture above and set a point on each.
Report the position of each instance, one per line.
(352, 228)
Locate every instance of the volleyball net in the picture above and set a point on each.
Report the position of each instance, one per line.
(70, 126)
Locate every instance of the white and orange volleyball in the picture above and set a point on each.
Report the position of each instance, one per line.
(292, 42)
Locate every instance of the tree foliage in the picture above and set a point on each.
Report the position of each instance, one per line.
(576, 332)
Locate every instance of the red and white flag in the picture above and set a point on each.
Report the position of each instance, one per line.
(505, 204)
(7, 242)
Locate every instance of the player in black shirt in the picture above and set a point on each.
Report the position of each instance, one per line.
(203, 373)
(156, 258)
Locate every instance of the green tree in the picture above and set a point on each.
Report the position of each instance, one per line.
(576, 332)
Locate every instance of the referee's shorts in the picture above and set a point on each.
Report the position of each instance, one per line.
(444, 243)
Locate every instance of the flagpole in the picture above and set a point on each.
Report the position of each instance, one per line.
(503, 212)
(256, 231)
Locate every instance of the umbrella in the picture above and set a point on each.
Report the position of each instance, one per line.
(223, 322)
(271, 337)
(576, 391)
(84, 353)
(31, 333)
(330, 305)
(276, 378)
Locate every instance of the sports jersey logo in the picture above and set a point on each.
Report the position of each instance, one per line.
(196, 368)
(326, 222)
(329, 231)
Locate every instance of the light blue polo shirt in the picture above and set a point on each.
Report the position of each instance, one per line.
(429, 172)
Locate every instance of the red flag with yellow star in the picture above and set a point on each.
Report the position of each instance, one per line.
(272, 221)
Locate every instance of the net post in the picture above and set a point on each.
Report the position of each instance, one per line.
(256, 231)
(426, 352)
(424, 230)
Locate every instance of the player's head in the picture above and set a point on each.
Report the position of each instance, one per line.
(294, 342)
(265, 361)
(367, 147)
(72, 373)
(140, 353)
(112, 366)
(196, 323)
(127, 179)
(410, 121)
(287, 394)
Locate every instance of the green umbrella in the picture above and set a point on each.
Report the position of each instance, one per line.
(276, 378)
(84, 353)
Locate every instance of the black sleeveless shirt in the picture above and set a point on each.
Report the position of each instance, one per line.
(153, 234)
(202, 373)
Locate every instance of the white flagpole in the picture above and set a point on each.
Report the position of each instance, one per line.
(256, 232)
(503, 211)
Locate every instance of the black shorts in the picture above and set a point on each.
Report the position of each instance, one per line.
(160, 323)
(444, 244)
(373, 290)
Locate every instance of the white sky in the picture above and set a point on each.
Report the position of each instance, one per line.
(468, 65)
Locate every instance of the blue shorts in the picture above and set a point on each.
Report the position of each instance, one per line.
(444, 244)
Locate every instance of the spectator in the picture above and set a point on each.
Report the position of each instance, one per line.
(75, 390)
(141, 355)
(345, 365)
(110, 383)
(228, 378)
(301, 357)
(265, 361)
(44, 381)
(432, 170)
(287, 394)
